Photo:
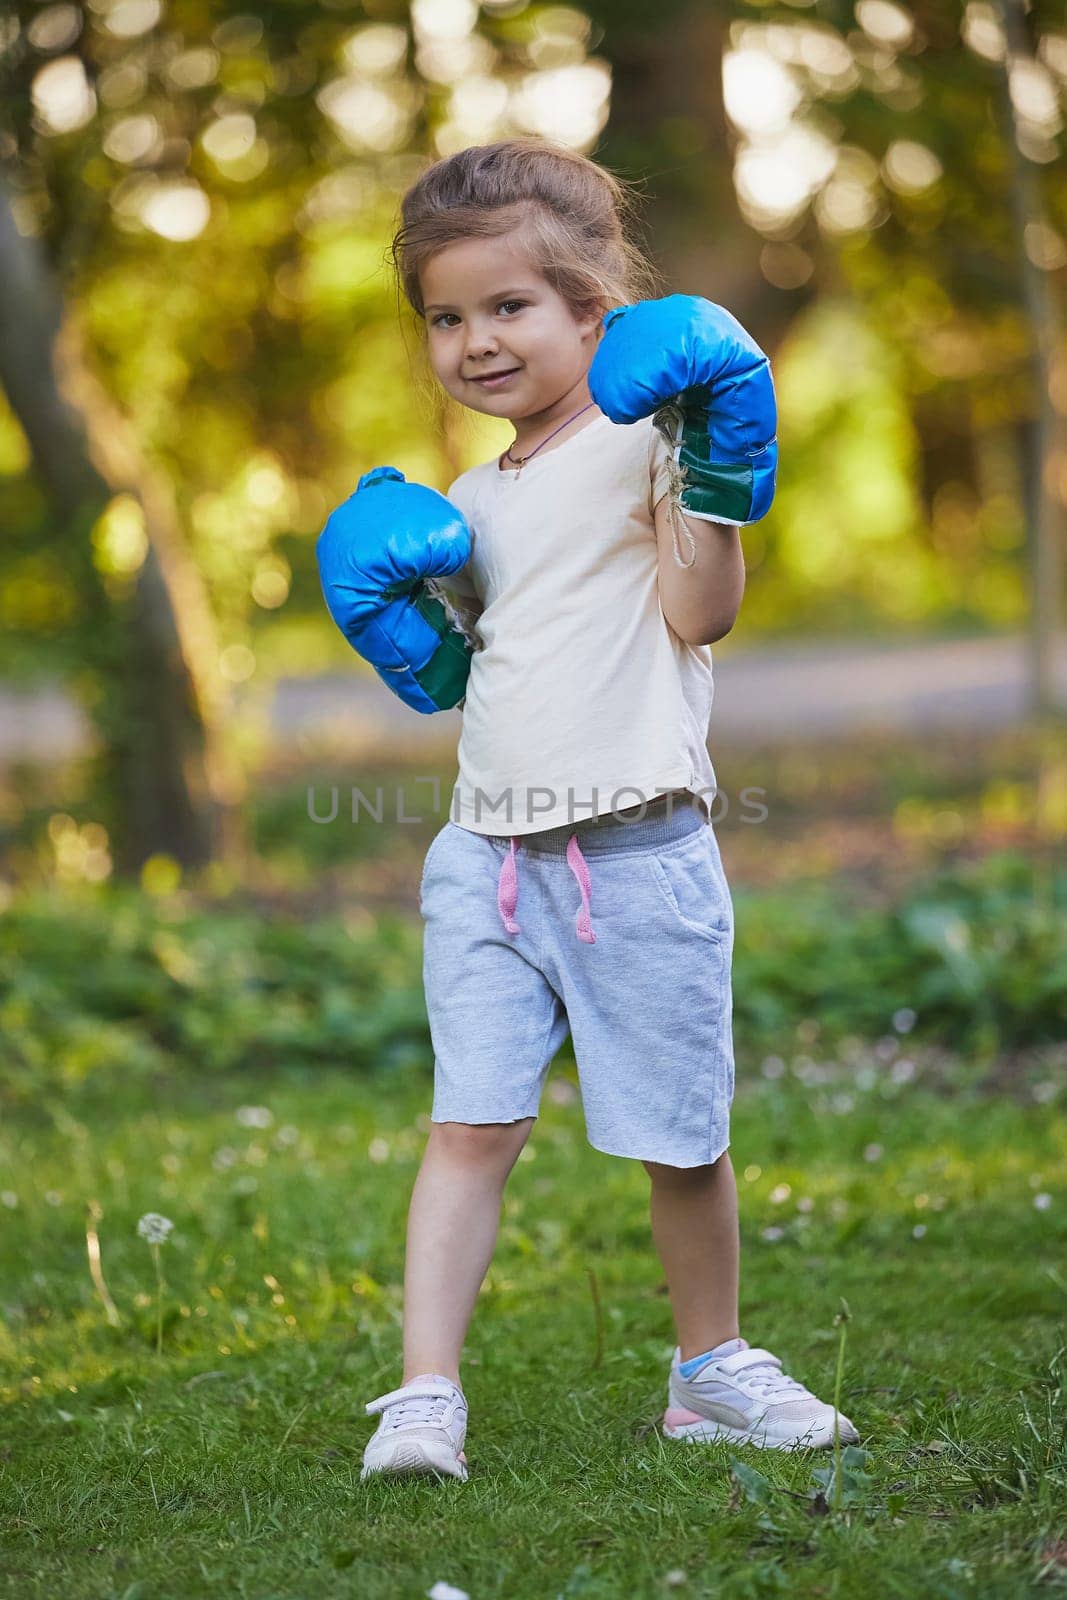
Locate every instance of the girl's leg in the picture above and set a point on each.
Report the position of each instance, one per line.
(694, 1226)
(452, 1227)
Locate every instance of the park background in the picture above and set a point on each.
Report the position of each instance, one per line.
(210, 1004)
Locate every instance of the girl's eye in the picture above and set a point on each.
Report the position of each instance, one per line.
(439, 319)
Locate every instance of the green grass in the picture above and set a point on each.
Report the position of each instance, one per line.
(230, 1466)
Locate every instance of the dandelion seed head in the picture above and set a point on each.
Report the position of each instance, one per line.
(254, 1116)
(154, 1228)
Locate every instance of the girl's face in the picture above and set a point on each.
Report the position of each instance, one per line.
(489, 311)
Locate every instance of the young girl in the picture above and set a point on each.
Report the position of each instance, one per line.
(577, 886)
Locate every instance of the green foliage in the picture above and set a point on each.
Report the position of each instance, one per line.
(111, 984)
(978, 953)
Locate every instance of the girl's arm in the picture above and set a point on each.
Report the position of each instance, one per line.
(700, 601)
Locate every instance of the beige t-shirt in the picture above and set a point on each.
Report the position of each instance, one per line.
(581, 697)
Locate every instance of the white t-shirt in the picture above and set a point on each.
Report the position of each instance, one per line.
(581, 697)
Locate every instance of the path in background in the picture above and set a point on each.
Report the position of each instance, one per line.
(820, 690)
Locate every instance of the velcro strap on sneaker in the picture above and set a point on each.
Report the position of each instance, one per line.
(427, 1390)
(746, 1358)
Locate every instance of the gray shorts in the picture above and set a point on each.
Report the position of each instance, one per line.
(619, 932)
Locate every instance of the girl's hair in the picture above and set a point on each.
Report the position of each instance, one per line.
(572, 215)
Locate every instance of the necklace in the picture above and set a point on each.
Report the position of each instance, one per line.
(520, 461)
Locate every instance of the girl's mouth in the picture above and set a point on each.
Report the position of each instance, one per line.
(497, 381)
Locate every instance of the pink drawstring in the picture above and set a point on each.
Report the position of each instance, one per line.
(507, 889)
(577, 865)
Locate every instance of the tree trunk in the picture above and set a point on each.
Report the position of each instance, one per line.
(1044, 520)
(150, 650)
(668, 132)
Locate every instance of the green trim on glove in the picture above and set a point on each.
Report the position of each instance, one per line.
(444, 677)
(715, 489)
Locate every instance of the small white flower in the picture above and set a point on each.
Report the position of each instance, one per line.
(805, 1203)
(53, 1197)
(9, 1198)
(780, 1192)
(446, 1591)
(287, 1135)
(873, 1152)
(918, 1230)
(773, 1067)
(254, 1116)
(1044, 1092)
(902, 1071)
(1042, 1201)
(154, 1228)
(904, 1019)
(771, 1234)
(224, 1157)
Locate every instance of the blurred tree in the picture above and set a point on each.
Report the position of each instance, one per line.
(147, 680)
(212, 192)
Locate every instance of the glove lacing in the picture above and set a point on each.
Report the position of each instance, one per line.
(669, 420)
(454, 617)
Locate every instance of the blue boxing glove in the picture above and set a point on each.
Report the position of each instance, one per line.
(378, 555)
(708, 385)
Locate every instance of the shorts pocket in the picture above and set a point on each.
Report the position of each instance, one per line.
(693, 886)
(431, 852)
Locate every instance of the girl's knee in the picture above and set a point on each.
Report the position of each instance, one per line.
(488, 1142)
(661, 1173)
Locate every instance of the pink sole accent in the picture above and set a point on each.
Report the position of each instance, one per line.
(675, 1416)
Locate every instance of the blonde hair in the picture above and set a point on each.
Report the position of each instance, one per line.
(573, 216)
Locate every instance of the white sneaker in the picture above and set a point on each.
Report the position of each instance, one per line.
(747, 1398)
(423, 1428)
